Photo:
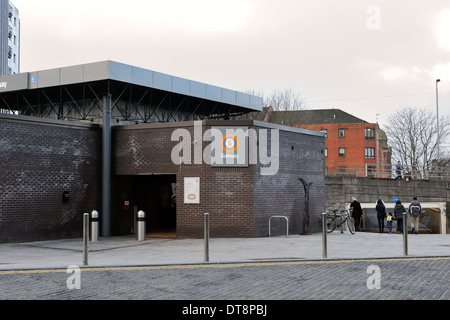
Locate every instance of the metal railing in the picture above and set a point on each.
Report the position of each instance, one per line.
(287, 224)
(365, 170)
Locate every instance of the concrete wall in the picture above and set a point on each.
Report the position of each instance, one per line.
(342, 189)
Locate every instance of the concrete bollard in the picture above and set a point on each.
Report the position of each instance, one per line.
(85, 238)
(94, 225)
(140, 226)
(206, 237)
(324, 235)
(405, 233)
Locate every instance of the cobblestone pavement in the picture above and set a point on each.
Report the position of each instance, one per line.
(368, 279)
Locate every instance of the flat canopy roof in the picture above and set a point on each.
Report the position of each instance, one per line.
(111, 70)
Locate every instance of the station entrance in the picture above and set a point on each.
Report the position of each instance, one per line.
(153, 194)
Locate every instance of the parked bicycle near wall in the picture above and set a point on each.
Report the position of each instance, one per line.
(335, 220)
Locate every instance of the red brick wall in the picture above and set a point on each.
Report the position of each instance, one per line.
(354, 143)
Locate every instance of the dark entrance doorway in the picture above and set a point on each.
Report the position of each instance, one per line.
(154, 194)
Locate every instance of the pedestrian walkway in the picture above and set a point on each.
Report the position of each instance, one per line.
(127, 251)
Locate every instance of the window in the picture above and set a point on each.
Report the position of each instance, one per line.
(341, 152)
(370, 133)
(341, 133)
(370, 153)
(326, 152)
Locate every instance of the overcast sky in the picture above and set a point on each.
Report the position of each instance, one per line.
(364, 57)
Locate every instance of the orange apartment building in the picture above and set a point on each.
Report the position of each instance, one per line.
(353, 146)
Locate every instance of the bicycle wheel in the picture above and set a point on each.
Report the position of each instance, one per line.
(331, 224)
(350, 225)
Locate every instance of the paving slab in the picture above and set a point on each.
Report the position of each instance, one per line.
(127, 251)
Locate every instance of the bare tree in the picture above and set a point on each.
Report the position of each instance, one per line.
(283, 102)
(413, 138)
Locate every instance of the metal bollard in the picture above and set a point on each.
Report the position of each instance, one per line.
(405, 233)
(206, 237)
(85, 238)
(324, 234)
(94, 225)
(140, 226)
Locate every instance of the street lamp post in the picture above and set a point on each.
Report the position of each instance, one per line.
(437, 126)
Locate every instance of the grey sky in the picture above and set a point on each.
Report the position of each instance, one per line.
(365, 57)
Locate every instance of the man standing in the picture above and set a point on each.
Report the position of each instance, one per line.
(398, 170)
(414, 210)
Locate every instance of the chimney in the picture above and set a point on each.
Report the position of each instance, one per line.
(269, 111)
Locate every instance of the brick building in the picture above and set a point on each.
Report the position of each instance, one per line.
(103, 136)
(353, 147)
(239, 199)
(9, 38)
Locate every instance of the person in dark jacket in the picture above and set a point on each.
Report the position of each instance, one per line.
(398, 170)
(381, 215)
(398, 214)
(414, 210)
(356, 212)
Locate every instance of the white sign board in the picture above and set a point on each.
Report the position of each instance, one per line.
(229, 146)
(192, 190)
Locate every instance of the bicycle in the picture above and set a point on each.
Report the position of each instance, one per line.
(335, 220)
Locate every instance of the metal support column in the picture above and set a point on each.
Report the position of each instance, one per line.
(106, 166)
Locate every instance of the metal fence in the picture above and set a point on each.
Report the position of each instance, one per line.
(364, 170)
